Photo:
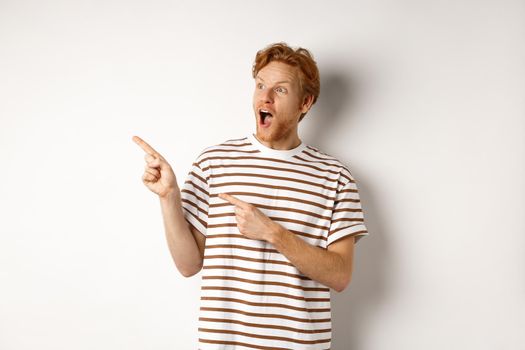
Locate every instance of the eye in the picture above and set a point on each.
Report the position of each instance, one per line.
(281, 90)
(260, 85)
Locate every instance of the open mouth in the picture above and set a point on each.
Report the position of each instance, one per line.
(265, 117)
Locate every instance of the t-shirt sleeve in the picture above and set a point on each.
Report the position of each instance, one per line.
(347, 215)
(195, 196)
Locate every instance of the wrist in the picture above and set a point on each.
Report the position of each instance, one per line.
(172, 197)
(275, 234)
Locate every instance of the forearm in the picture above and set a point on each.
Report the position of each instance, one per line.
(319, 264)
(182, 245)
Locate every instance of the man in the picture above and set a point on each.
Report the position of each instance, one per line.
(269, 220)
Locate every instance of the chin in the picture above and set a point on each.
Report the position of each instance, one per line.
(261, 133)
(269, 135)
(264, 135)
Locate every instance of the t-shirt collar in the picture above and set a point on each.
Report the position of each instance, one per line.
(277, 153)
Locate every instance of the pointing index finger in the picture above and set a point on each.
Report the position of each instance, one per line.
(145, 146)
(232, 199)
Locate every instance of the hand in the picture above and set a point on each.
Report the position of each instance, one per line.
(158, 175)
(250, 220)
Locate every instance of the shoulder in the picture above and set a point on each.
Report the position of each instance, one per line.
(332, 162)
(219, 149)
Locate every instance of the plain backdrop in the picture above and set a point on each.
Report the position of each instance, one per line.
(423, 100)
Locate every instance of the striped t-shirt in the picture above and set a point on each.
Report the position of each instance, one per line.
(252, 297)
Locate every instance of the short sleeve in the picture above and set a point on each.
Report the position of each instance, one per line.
(347, 214)
(195, 196)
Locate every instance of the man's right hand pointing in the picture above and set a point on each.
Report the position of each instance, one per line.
(158, 174)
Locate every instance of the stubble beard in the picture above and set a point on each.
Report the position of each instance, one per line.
(277, 131)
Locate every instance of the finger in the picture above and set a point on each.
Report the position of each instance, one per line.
(239, 212)
(145, 146)
(232, 200)
(148, 157)
(152, 171)
(147, 177)
(155, 163)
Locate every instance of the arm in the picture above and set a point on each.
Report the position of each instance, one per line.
(185, 243)
(331, 267)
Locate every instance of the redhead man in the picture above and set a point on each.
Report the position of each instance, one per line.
(269, 220)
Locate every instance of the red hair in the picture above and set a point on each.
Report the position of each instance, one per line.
(300, 58)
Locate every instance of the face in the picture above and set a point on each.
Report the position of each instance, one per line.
(278, 102)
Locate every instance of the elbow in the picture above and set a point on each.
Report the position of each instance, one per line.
(190, 272)
(187, 273)
(342, 283)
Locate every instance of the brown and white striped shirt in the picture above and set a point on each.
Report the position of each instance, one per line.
(252, 297)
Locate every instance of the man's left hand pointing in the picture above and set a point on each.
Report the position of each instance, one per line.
(251, 222)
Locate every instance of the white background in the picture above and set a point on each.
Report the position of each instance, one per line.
(423, 100)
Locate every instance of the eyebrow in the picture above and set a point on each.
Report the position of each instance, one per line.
(279, 82)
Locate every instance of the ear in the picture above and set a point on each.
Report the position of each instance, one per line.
(307, 103)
